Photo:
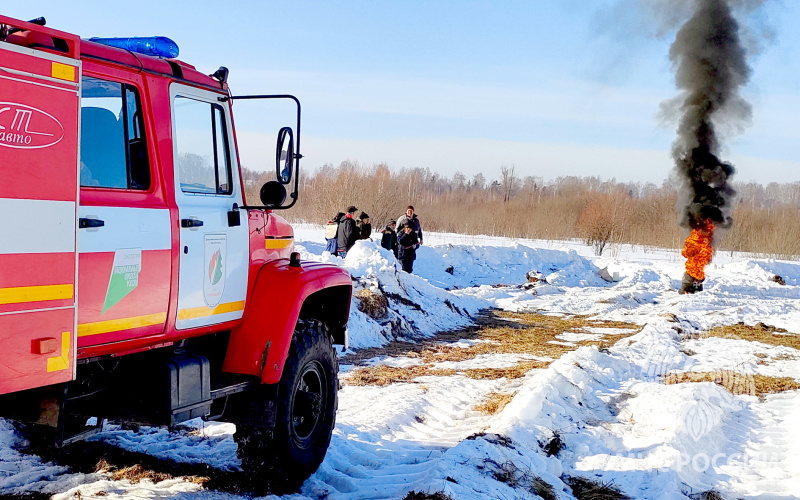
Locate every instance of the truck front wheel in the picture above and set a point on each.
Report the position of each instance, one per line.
(306, 403)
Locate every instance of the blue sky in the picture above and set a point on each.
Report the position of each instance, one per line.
(552, 87)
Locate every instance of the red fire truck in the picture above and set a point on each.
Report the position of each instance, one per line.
(136, 282)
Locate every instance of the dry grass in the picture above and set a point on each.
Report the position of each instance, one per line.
(530, 333)
(494, 402)
(586, 489)
(513, 372)
(103, 466)
(137, 473)
(759, 332)
(382, 375)
(372, 302)
(413, 495)
(525, 333)
(507, 333)
(707, 495)
(737, 383)
(520, 478)
(495, 439)
(543, 489)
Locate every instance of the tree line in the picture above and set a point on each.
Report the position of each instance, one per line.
(602, 213)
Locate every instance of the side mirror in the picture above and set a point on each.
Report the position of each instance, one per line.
(284, 155)
(269, 112)
(272, 194)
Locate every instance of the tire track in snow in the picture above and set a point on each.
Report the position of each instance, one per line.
(389, 440)
(770, 451)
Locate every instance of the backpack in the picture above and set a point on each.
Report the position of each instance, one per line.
(330, 230)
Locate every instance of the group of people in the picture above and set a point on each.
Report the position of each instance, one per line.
(342, 232)
(401, 237)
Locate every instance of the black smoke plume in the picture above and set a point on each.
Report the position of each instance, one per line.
(710, 68)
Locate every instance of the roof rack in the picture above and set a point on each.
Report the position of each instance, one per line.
(34, 34)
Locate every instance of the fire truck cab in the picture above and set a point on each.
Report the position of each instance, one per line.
(136, 281)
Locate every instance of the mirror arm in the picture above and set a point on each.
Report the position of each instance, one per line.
(255, 207)
(264, 207)
(294, 194)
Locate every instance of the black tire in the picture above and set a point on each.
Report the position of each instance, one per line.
(306, 403)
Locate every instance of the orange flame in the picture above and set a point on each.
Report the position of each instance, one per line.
(698, 251)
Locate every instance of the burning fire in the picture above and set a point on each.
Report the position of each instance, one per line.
(698, 251)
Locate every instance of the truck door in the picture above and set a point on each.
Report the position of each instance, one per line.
(214, 252)
(39, 102)
(124, 238)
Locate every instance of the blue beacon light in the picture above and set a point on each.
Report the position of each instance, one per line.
(159, 46)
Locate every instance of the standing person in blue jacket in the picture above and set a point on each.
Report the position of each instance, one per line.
(411, 219)
(331, 228)
(407, 247)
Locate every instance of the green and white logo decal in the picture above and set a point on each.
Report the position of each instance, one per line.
(215, 269)
(124, 276)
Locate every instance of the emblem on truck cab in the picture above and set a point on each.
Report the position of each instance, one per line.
(26, 127)
(124, 276)
(214, 280)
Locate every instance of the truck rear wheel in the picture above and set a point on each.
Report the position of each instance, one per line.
(306, 403)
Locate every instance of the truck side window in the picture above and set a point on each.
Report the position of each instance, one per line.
(113, 144)
(203, 155)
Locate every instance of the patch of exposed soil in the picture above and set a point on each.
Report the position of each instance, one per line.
(737, 383)
(498, 332)
(494, 402)
(759, 332)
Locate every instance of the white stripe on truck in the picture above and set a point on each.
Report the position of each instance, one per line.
(145, 228)
(36, 226)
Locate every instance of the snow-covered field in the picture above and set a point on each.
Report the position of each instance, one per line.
(618, 421)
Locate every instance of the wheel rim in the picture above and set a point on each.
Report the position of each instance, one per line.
(308, 408)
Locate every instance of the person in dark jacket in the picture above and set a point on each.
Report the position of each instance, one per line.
(331, 228)
(364, 226)
(407, 250)
(389, 238)
(347, 234)
(411, 219)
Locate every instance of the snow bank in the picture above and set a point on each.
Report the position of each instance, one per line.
(474, 265)
(423, 303)
(416, 308)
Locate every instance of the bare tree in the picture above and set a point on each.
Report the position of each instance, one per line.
(602, 221)
(459, 181)
(478, 181)
(508, 183)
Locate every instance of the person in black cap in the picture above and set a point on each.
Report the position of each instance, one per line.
(411, 219)
(364, 226)
(347, 234)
